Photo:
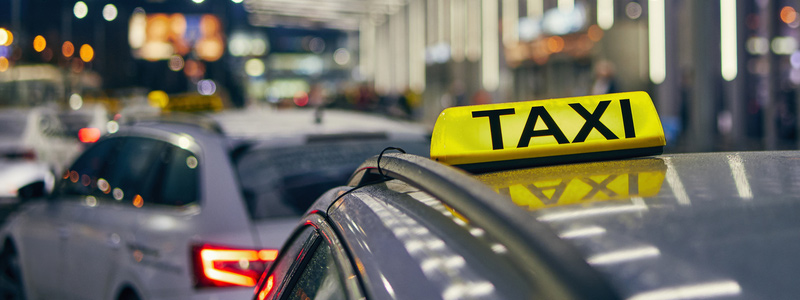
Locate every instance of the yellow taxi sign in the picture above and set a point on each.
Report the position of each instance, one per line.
(541, 132)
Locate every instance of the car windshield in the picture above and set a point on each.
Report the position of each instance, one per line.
(283, 182)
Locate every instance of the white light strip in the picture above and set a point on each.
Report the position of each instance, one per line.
(566, 6)
(510, 22)
(591, 212)
(740, 177)
(458, 29)
(535, 8)
(605, 14)
(367, 50)
(474, 37)
(416, 46)
(658, 44)
(582, 232)
(728, 47)
(695, 291)
(398, 28)
(490, 59)
(675, 182)
(623, 255)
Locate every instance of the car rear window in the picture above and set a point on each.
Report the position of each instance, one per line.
(285, 181)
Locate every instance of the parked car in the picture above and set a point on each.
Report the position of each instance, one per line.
(186, 207)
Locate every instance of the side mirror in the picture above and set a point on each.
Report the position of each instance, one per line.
(31, 191)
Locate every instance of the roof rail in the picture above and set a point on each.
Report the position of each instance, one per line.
(536, 247)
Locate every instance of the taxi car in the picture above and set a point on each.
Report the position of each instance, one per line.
(184, 207)
(557, 199)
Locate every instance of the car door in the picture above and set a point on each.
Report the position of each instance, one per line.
(43, 229)
(312, 265)
(101, 227)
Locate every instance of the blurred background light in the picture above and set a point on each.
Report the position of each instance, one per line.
(788, 14)
(729, 60)
(341, 56)
(137, 28)
(254, 67)
(158, 99)
(757, 45)
(3, 64)
(3, 36)
(657, 41)
(206, 87)
(75, 101)
(110, 12)
(176, 63)
(80, 10)
(67, 49)
(198, 1)
(784, 45)
(9, 37)
(39, 43)
(86, 53)
(605, 14)
(633, 10)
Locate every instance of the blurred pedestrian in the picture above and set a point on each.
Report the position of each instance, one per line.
(605, 81)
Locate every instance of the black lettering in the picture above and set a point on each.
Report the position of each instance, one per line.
(627, 118)
(592, 122)
(494, 124)
(599, 187)
(633, 184)
(558, 191)
(552, 128)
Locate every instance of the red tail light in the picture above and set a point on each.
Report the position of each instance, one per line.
(216, 266)
(89, 135)
(266, 288)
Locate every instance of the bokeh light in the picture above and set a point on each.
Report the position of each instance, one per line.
(254, 67)
(3, 36)
(75, 101)
(3, 64)
(633, 10)
(341, 56)
(300, 98)
(788, 14)
(206, 87)
(8, 39)
(68, 49)
(87, 53)
(110, 12)
(176, 63)
(158, 99)
(555, 44)
(80, 9)
(39, 43)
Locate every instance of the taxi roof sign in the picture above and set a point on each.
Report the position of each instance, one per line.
(543, 132)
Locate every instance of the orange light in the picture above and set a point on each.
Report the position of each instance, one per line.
(3, 36)
(270, 282)
(138, 201)
(555, 44)
(788, 14)
(595, 33)
(73, 176)
(3, 64)
(268, 255)
(87, 53)
(39, 43)
(89, 135)
(68, 49)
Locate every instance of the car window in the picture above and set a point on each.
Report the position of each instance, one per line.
(129, 171)
(281, 182)
(319, 278)
(81, 178)
(178, 183)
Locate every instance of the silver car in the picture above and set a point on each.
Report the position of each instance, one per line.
(186, 209)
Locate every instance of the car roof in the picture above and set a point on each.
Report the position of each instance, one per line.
(261, 122)
(719, 222)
